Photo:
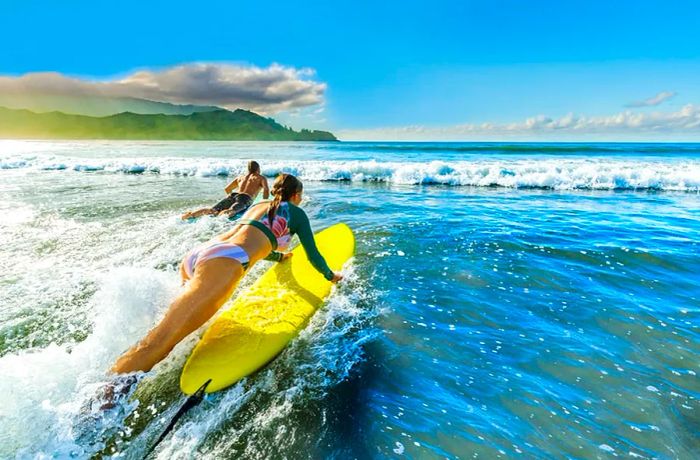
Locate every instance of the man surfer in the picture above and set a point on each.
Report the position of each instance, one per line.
(249, 185)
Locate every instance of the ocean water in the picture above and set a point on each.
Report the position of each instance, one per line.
(505, 301)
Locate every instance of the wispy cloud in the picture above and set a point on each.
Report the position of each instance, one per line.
(267, 90)
(653, 101)
(685, 121)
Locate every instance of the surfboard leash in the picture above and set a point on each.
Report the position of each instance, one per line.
(189, 403)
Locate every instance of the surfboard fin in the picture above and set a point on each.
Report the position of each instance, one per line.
(189, 403)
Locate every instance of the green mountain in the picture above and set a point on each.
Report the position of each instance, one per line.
(94, 106)
(219, 124)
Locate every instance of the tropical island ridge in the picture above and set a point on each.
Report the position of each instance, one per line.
(212, 124)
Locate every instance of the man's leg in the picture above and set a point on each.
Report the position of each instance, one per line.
(198, 213)
(241, 203)
(216, 209)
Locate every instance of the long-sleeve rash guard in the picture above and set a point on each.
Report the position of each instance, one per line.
(291, 220)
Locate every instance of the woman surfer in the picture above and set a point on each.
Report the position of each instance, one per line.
(212, 271)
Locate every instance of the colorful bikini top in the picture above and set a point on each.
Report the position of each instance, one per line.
(290, 220)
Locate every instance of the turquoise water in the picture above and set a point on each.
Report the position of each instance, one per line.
(505, 301)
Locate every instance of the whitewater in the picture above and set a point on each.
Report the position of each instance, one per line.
(513, 166)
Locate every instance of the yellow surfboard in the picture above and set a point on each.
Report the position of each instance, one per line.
(266, 317)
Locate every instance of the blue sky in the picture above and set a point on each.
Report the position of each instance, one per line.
(386, 68)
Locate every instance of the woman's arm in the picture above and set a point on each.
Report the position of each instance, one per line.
(299, 224)
(274, 256)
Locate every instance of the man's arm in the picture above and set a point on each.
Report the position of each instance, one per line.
(266, 188)
(231, 186)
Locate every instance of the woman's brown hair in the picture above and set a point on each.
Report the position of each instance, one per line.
(284, 187)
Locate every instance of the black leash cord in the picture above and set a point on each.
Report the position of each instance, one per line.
(189, 403)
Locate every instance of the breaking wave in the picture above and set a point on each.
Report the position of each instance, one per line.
(518, 148)
(543, 173)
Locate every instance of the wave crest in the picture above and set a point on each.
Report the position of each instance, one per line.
(557, 174)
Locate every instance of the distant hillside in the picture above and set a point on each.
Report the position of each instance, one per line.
(215, 125)
(95, 106)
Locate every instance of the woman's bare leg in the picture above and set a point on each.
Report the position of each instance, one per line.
(213, 283)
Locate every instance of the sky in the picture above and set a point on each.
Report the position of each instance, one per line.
(392, 70)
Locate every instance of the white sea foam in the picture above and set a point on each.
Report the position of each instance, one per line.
(558, 174)
(44, 388)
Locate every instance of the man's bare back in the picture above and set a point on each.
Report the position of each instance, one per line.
(250, 184)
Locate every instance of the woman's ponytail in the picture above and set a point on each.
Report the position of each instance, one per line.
(284, 187)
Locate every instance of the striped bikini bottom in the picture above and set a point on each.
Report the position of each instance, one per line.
(215, 250)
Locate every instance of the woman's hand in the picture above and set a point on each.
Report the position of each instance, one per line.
(336, 277)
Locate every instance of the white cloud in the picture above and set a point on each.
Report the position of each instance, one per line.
(684, 122)
(653, 101)
(266, 90)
